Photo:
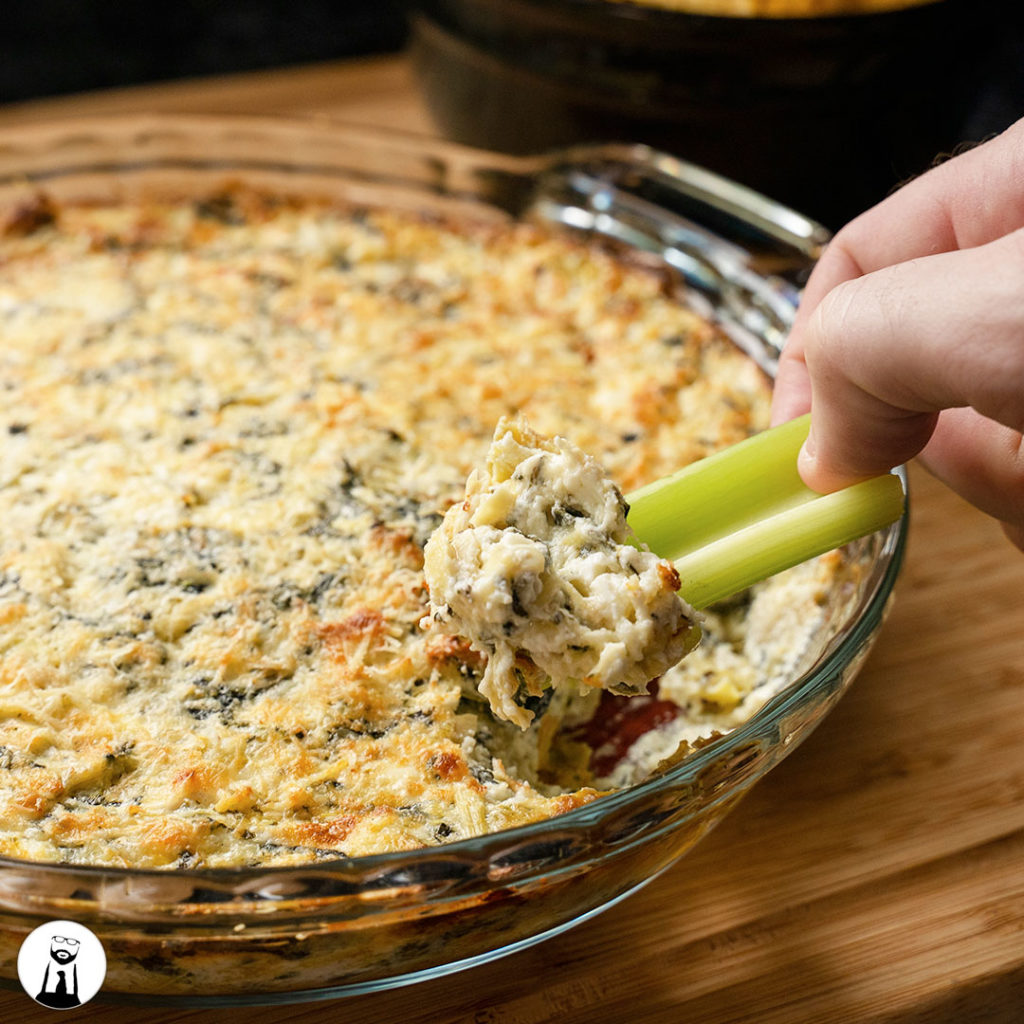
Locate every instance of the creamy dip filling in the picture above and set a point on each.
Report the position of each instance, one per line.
(538, 568)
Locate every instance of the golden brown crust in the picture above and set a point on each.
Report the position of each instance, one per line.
(776, 8)
(229, 428)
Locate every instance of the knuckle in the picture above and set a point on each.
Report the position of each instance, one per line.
(832, 323)
(1015, 241)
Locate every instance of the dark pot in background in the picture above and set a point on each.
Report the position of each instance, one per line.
(825, 114)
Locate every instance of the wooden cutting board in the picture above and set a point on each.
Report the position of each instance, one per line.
(876, 875)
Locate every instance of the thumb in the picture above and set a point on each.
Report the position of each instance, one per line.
(887, 352)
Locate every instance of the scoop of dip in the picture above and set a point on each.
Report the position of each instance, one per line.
(539, 571)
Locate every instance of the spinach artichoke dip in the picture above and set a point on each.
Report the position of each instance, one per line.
(538, 568)
(228, 429)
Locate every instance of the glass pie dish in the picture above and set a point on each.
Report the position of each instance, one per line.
(350, 925)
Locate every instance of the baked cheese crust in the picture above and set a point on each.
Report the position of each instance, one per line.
(777, 8)
(229, 428)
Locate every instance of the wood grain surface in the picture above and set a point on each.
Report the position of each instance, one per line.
(876, 875)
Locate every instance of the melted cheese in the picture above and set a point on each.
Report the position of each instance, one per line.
(538, 568)
(228, 429)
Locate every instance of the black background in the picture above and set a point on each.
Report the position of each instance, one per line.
(54, 47)
(49, 47)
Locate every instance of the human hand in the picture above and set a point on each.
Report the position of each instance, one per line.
(910, 337)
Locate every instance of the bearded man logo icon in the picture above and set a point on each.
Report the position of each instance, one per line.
(55, 991)
(62, 964)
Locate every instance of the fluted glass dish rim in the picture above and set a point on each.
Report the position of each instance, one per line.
(749, 275)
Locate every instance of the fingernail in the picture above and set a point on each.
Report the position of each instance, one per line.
(810, 445)
(808, 456)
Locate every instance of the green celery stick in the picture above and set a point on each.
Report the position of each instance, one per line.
(743, 514)
(759, 550)
(721, 493)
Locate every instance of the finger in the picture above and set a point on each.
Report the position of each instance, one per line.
(791, 396)
(888, 351)
(983, 461)
(968, 201)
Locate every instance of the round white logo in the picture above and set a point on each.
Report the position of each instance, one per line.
(62, 964)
